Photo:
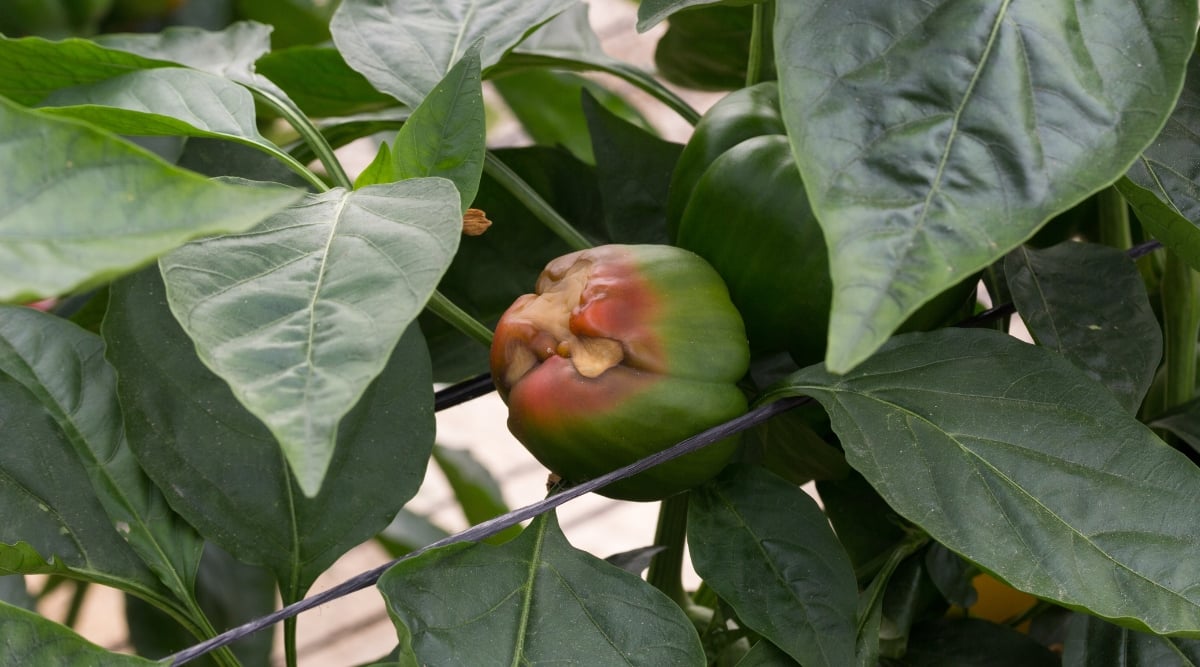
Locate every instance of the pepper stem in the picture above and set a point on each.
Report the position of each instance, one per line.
(1181, 323)
(666, 570)
(459, 319)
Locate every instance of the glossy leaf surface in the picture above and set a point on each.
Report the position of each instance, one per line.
(300, 314)
(533, 600)
(1111, 333)
(1009, 455)
(923, 175)
(221, 469)
(405, 47)
(89, 207)
(765, 547)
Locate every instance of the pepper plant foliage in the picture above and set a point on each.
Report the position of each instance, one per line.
(235, 386)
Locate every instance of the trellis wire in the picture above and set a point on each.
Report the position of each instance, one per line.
(481, 385)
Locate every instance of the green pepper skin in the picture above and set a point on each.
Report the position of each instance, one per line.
(744, 209)
(680, 348)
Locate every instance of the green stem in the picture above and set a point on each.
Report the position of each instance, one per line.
(77, 597)
(666, 569)
(873, 596)
(542, 210)
(651, 86)
(289, 642)
(1181, 325)
(1114, 219)
(459, 319)
(311, 135)
(754, 61)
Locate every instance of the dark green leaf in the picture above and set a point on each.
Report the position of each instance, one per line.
(652, 12)
(215, 157)
(1183, 421)
(444, 136)
(547, 104)
(923, 175)
(864, 523)
(1009, 455)
(295, 21)
(533, 600)
(707, 48)
(1091, 642)
(223, 471)
(952, 575)
(408, 532)
(635, 561)
(300, 314)
(765, 547)
(31, 68)
(1088, 303)
(972, 643)
(766, 654)
(405, 47)
(29, 639)
(92, 207)
(230, 593)
(62, 368)
(1163, 185)
(633, 168)
(14, 592)
(475, 489)
(790, 448)
(320, 82)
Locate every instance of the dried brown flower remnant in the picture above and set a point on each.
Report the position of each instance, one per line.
(475, 222)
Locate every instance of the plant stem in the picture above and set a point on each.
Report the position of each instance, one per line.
(289, 642)
(1181, 324)
(533, 201)
(311, 135)
(754, 60)
(1114, 219)
(459, 319)
(77, 597)
(666, 569)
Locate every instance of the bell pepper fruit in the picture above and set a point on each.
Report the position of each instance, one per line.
(622, 351)
(737, 199)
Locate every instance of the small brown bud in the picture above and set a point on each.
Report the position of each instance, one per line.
(475, 222)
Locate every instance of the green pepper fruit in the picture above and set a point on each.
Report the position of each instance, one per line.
(622, 351)
(741, 204)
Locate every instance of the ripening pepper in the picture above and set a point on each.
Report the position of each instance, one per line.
(622, 351)
(737, 200)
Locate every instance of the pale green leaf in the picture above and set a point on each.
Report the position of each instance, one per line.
(31, 67)
(83, 207)
(300, 314)
(405, 47)
(30, 639)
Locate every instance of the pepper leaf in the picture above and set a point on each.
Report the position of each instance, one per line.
(1111, 333)
(405, 47)
(1092, 641)
(86, 207)
(75, 424)
(1009, 455)
(31, 639)
(327, 287)
(1163, 185)
(514, 604)
(765, 547)
(31, 67)
(921, 176)
(221, 469)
